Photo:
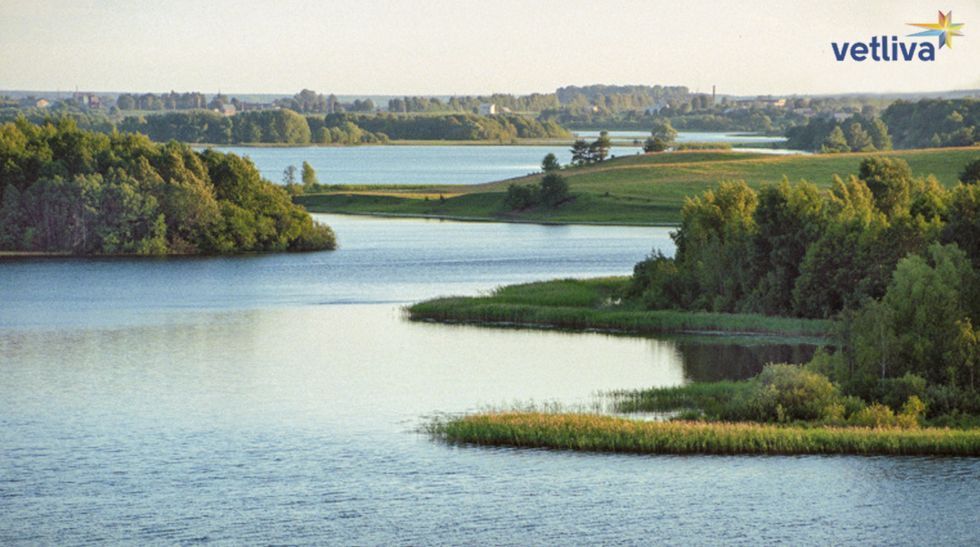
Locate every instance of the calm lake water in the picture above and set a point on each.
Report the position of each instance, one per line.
(274, 399)
(470, 164)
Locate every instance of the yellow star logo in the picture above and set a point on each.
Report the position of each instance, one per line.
(945, 29)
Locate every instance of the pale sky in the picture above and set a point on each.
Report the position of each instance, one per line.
(462, 47)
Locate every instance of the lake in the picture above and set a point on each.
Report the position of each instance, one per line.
(275, 399)
(439, 164)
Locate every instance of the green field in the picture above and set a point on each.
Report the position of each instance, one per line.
(642, 189)
(596, 433)
(594, 304)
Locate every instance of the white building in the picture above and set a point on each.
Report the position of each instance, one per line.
(487, 109)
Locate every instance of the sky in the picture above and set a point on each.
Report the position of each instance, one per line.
(461, 47)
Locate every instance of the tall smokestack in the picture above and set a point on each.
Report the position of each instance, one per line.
(713, 94)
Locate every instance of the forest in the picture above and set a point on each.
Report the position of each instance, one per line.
(68, 190)
(894, 258)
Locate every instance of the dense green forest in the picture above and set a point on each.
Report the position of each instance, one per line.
(64, 189)
(287, 127)
(929, 123)
(895, 258)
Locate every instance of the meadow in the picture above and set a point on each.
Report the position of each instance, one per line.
(647, 189)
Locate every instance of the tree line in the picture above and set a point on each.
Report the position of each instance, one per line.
(928, 123)
(64, 189)
(287, 127)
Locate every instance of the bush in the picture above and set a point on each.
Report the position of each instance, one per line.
(874, 415)
(554, 189)
(971, 173)
(521, 196)
(788, 392)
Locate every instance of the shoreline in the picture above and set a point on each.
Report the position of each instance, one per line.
(592, 305)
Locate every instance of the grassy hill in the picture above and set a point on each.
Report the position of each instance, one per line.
(642, 189)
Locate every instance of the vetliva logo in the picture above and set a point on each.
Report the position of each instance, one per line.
(891, 48)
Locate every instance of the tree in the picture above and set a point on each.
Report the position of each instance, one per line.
(601, 146)
(916, 327)
(309, 176)
(521, 196)
(971, 173)
(654, 144)
(550, 163)
(664, 131)
(890, 181)
(879, 134)
(858, 139)
(580, 152)
(835, 142)
(289, 175)
(554, 189)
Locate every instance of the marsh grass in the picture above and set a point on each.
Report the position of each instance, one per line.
(707, 398)
(594, 304)
(597, 433)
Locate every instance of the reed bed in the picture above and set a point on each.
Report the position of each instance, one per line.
(597, 433)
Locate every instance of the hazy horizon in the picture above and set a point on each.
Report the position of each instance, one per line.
(463, 48)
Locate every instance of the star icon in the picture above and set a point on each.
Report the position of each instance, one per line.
(944, 29)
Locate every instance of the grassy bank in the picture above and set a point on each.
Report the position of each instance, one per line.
(596, 433)
(635, 189)
(593, 304)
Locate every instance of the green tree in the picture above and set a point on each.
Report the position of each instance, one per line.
(663, 130)
(550, 163)
(521, 196)
(654, 144)
(879, 134)
(554, 190)
(601, 146)
(835, 142)
(858, 139)
(309, 176)
(890, 180)
(289, 175)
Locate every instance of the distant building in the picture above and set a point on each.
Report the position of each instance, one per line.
(487, 109)
(841, 116)
(42, 103)
(228, 109)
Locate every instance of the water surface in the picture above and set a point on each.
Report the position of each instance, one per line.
(274, 398)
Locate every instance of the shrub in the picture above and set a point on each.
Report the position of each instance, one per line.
(788, 392)
(874, 415)
(554, 189)
(520, 197)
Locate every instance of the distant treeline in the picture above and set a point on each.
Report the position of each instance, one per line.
(74, 191)
(501, 127)
(535, 102)
(287, 127)
(922, 124)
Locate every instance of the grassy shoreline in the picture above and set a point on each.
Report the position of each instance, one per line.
(596, 433)
(592, 305)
